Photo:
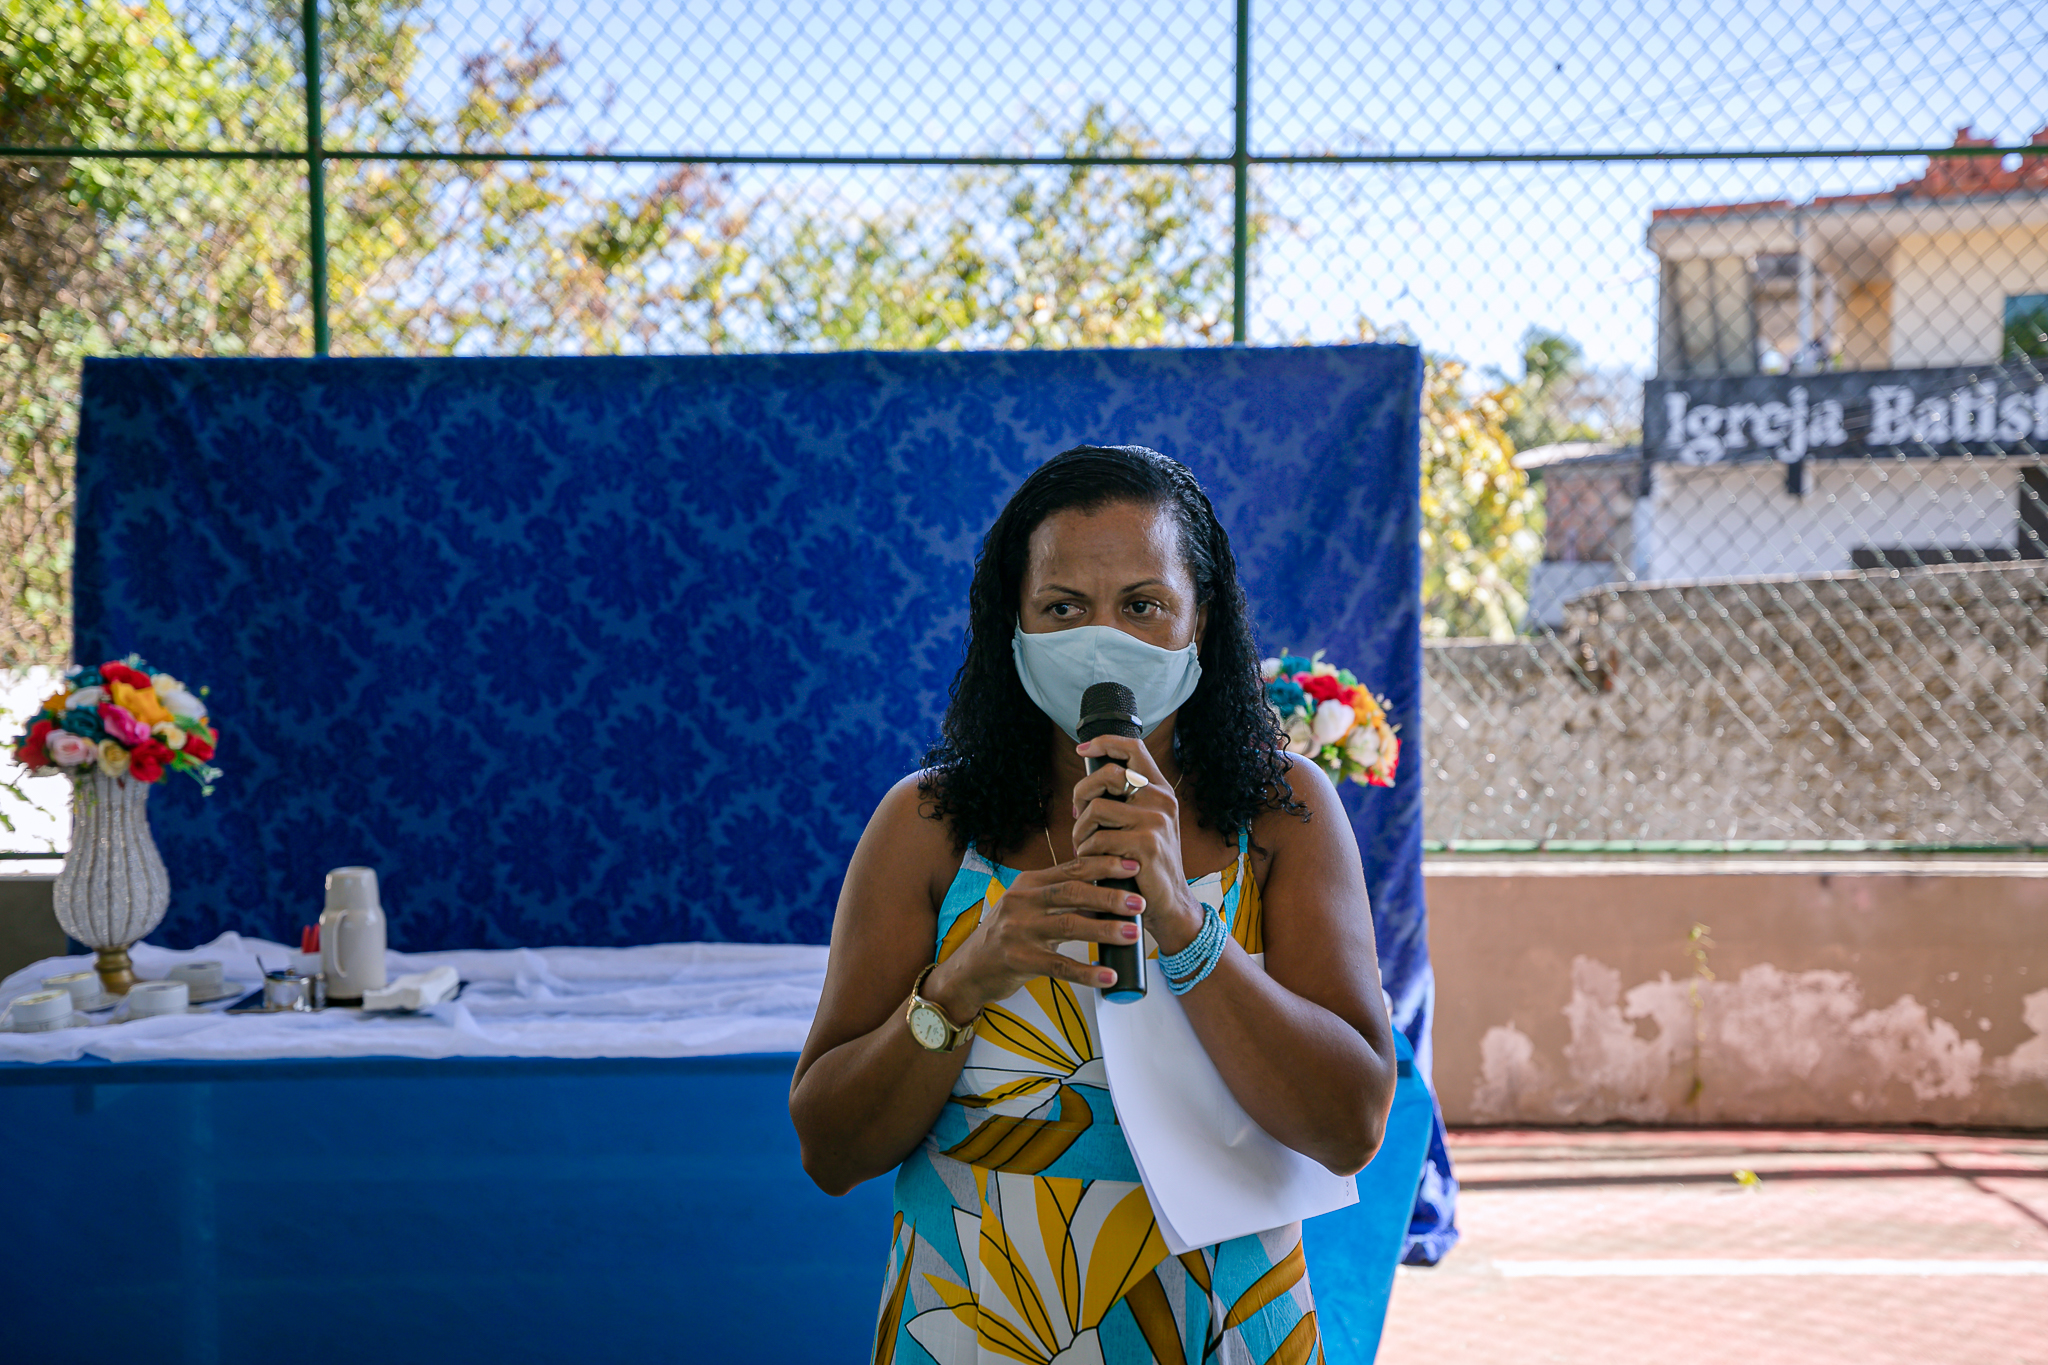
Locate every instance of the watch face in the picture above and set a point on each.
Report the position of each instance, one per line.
(928, 1028)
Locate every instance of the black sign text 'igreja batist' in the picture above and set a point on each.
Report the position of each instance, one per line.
(1982, 410)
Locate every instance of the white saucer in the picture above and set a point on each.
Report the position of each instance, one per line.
(229, 990)
(102, 1001)
(77, 1020)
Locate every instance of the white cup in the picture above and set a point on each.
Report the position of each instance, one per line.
(41, 1010)
(146, 998)
(84, 987)
(204, 977)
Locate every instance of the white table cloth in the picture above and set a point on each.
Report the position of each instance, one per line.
(660, 1000)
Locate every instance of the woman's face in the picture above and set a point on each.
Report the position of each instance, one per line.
(1118, 565)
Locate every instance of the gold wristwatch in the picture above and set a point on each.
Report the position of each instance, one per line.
(929, 1025)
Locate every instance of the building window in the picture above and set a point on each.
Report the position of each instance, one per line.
(1709, 324)
(2026, 326)
(1744, 315)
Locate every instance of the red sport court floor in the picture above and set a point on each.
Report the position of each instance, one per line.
(1601, 1245)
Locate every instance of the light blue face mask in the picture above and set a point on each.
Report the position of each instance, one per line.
(1057, 666)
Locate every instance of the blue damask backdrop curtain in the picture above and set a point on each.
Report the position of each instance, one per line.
(611, 651)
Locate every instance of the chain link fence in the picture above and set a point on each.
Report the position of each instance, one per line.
(1733, 483)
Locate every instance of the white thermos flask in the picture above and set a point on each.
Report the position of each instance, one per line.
(352, 934)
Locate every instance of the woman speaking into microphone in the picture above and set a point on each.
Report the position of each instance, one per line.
(956, 1042)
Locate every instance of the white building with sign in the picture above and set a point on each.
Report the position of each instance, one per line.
(1847, 382)
(1930, 274)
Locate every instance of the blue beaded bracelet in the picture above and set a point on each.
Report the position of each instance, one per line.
(1183, 987)
(1191, 966)
(1189, 959)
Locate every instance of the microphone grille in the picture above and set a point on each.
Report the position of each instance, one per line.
(1110, 706)
(1111, 698)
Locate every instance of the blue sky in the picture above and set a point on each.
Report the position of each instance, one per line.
(1464, 256)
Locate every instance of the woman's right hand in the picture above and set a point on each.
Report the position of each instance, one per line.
(1018, 941)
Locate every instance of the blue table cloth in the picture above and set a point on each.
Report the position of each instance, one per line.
(428, 1212)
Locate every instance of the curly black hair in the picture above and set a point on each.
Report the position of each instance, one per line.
(988, 775)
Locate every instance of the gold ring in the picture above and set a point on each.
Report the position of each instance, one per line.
(1134, 783)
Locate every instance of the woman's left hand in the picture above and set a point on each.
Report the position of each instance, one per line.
(1144, 827)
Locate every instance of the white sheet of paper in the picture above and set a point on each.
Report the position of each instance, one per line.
(1210, 1171)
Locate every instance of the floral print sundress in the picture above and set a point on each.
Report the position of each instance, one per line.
(1021, 1229)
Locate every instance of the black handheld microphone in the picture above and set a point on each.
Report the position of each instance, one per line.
(1109, 709)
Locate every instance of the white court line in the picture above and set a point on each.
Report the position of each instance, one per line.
(1584, 1270)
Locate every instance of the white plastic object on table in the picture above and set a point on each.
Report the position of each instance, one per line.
(414, 990)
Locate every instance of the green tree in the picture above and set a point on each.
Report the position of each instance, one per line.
(100, 73)
(1482, 521)
(493, 253)
(1482, 518)
(1560, 398)
(520, 258)
(1018, 258)
(119, 255)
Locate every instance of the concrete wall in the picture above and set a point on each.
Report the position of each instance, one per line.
(1848, 992)
(1572, 990)
(1714, 521)
(1949, 291)
(1587, 511)
(1863, 327)
(28, 923)
(1908, 707)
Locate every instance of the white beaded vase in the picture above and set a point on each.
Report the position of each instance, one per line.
(113, 890)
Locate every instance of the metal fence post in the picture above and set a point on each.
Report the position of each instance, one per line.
(1240, 170)
(316, 177)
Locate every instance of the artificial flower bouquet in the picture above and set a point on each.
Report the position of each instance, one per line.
(122, 720)
(1333, 718)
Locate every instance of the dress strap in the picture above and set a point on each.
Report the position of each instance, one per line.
(972, 887)
(1228, 910)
